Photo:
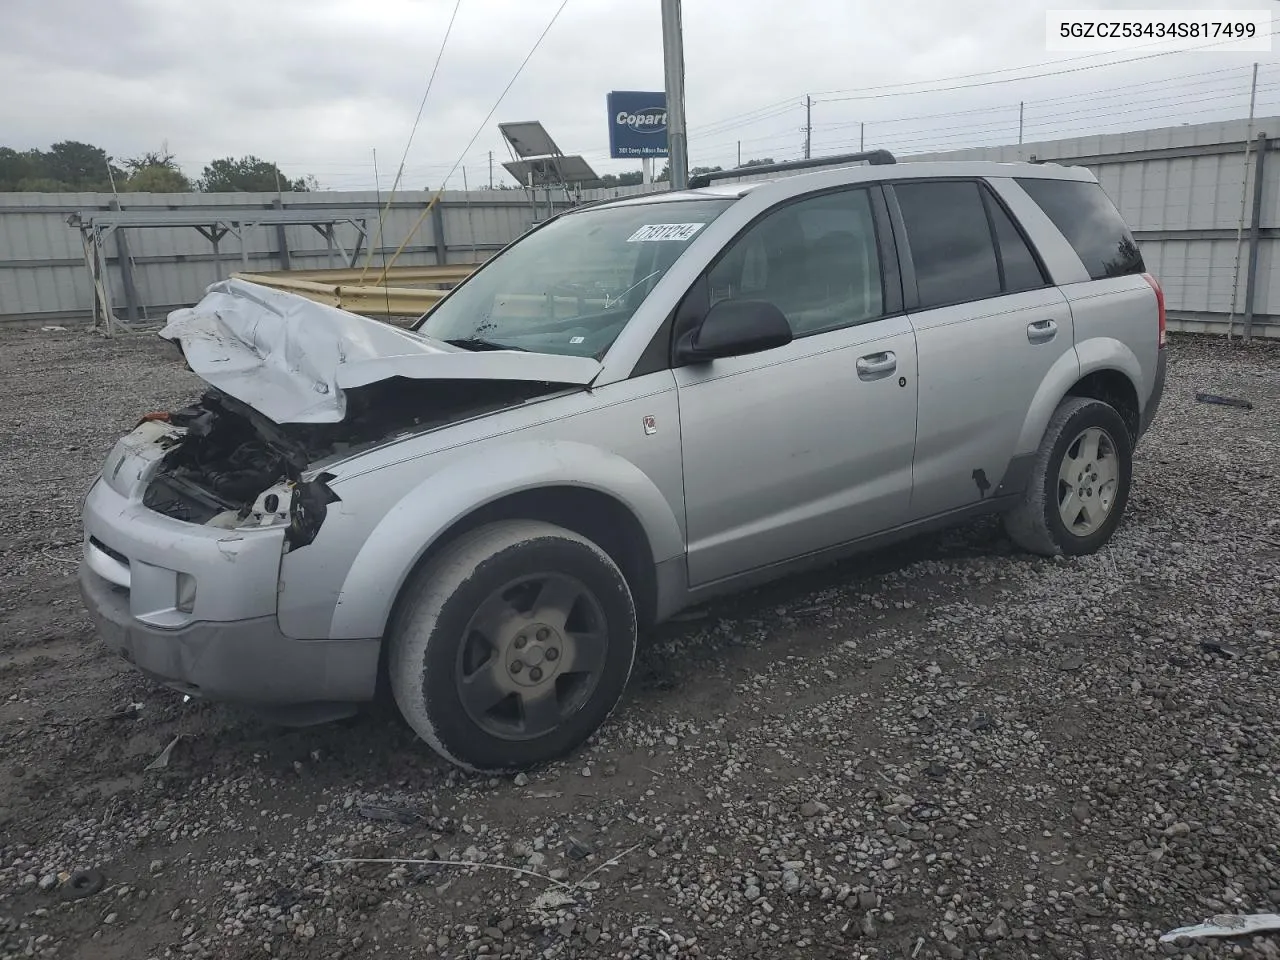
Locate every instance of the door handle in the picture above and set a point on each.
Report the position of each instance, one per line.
(1042, 331)
(876, 365)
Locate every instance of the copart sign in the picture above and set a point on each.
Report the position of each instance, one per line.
(637, 124)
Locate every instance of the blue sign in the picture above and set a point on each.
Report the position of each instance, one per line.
(637, 124)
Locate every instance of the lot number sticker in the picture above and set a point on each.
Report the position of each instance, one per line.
(665, 231)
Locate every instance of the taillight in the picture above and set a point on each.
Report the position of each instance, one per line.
(1155, 285)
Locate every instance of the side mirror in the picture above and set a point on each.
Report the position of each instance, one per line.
(733, 328)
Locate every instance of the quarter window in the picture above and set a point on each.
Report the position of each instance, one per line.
(816, 260)
(1090, 222)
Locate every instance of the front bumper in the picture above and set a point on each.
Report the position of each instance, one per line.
(223, 643)
(249, 661)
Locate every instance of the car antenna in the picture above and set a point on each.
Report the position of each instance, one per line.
(377, 186)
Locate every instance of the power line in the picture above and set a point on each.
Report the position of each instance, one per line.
(1033, 76)
(1030, 66)
(476, 136)
(1148, 104)
(430, 80)
(1083, 96)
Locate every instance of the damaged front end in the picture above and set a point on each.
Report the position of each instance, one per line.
(295, 385)
(227, 465)
(231, 467)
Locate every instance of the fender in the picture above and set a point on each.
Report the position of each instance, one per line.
(1105, 353)
(415, 523)
(1089, 356)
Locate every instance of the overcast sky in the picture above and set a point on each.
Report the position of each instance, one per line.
(318, 84)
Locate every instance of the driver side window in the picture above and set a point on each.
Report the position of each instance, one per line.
(816, 260)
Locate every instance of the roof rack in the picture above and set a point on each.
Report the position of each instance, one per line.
(874, 157)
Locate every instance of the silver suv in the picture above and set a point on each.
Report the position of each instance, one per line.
(635, 406)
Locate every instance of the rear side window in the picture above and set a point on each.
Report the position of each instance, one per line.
(950, 242)
(1091, 224)
(1019, 265)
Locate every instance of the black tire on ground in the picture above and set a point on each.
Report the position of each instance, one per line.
(1036, 523)
(460, 617)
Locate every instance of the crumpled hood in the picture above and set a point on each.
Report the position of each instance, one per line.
(291, 358)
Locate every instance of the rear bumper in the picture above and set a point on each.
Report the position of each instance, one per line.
(1157, 391)
(248, 661)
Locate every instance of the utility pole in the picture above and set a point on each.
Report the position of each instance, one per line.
(862, 137)
(1244, 195)
(1020, 106)
(673, 58)
(808, 124)
(739, 153)
(490, 169)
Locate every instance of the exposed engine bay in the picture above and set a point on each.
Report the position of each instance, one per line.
(234, 467)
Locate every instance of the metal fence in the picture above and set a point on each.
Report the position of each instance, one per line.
(153, 270)
(1204, 202)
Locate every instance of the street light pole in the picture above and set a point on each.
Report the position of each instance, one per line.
(673, 58)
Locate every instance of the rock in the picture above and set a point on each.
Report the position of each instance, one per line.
(1224, 650)
(812, 808)
(870, 929)
(521, 780)
(997, 929)
(751, 894)
(1080, 810)
(1071, 664)
(790, 882)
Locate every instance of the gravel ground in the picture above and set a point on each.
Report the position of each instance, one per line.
(947, 750)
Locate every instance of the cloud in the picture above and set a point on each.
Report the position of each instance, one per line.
(319, 84)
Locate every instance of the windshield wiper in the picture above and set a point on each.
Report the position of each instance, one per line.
(480, 343)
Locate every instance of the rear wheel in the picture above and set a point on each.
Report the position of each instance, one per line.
(1079, 484)
(512, 645)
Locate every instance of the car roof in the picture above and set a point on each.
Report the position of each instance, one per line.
(824, 177)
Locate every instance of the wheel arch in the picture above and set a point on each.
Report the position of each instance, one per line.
(1107, 371)
(594, 493)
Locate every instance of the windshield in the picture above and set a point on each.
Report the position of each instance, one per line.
(572, 285)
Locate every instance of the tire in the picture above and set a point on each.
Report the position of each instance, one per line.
(1037, 523)
(512, 645)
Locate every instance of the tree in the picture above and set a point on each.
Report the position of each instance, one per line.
(155, 172)
(16, 167)
(698, 171)
(81, 166)
(759, 163)
(248, 174)
(69, 165)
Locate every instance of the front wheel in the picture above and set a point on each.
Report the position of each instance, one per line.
(1079, 483)
(512, 645)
